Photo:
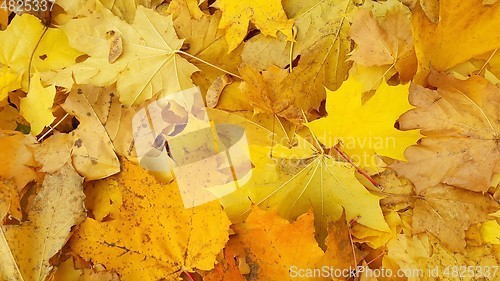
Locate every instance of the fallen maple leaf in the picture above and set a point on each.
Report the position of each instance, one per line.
(294, 179)
(425, 257)
(275, 246)
(445, 44)
(461, 125)
(268, 17)
(148, 66)
(153, 235)
(266, 97)
(26, 249)
(206, 44)
(366, 130)
(323, 46)
(124, 9)
(28, 46)
(387, 43)
(447, 212)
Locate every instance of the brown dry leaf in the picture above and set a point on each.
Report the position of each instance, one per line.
(323, 46)
(447, 212)
(426, 259)
(461, 123)
(17, 157)
(115, 45)
(93, 153)
(25, 250)
(54, 152)
(9, 200)
(321, 41)
(273, 245)
(153, 235)
(265, 92)
(386, 43)
(10, 117)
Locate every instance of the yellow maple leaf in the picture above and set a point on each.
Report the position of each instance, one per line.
(296, 178)
(124, 9)
(268, 17)
(149, 64)
(323, 45)
(36, 107)
(26, 249)
(27, 45)
(366, 130)
(205, 41)
(153, 236)
(443, 45)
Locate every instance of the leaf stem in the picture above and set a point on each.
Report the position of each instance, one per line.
(188, 275)
(207, 63)
(51, 128)
(361, 171)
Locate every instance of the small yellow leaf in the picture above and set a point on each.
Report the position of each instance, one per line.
(36, 107)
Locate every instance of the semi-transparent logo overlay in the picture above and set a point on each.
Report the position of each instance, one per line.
(207, 160)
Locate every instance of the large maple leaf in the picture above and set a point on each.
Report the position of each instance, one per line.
(276, 248)
(148, 65)
(366, 130)
(298, 178)
(27, 45)
(151, 235)
(461, 123)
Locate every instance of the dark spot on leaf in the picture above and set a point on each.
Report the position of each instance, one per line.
(89, 114)
(43, 57)
(79, 91)
(78, 143)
